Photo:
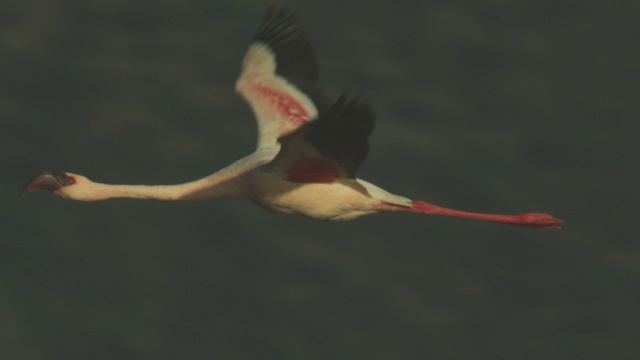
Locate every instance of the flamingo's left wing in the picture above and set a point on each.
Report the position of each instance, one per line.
(329, 149)
(279, 76)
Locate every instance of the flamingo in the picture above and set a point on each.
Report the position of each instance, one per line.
(308, 151)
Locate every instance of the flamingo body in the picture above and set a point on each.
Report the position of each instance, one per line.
(308, 150)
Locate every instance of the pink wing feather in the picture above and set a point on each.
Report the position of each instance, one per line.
(277, 67)
(279, 81)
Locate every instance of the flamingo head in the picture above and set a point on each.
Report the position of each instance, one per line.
(67, 185)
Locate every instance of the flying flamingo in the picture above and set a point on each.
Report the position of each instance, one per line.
(309, 148)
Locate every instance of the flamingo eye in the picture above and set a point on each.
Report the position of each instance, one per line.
(71, 180)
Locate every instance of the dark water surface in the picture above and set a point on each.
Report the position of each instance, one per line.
(495, 106)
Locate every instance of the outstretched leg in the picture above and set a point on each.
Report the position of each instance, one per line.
(536, 220)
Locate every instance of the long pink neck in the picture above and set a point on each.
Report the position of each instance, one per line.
(230, 181)
(537, 220)
(108, 191)
(226, 182)
(189, 191)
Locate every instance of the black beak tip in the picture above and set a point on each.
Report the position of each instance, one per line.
(47, 180)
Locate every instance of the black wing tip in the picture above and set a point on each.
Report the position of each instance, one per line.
(276, 10)
(280, 26)
(282, 33)
(342, 133)
(348, 101)
(359, 109)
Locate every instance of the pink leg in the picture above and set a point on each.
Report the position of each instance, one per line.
(536, 220)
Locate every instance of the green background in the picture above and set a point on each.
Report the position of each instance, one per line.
(493, 106)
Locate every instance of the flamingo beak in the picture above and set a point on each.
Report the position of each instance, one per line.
(48, 180)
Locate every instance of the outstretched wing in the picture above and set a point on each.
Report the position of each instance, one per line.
(329, 149)
(279, 76)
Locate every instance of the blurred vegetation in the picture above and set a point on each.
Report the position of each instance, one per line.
(495, 106)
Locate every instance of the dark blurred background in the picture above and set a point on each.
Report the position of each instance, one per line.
(493, 106)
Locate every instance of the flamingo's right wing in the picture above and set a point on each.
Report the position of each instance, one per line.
(278, 79)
